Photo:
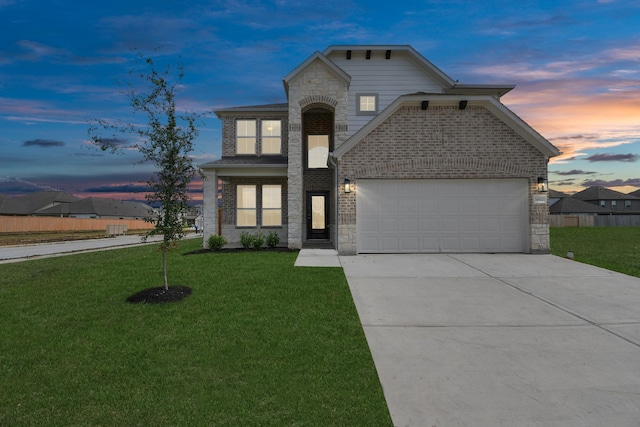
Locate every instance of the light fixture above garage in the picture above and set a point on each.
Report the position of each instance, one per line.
(543, 185)
(347, 185)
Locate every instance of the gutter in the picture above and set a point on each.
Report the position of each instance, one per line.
(333, 162)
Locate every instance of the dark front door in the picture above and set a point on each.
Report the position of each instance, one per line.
(317, 215)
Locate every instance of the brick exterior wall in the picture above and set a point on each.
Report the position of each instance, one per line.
(229, 204)
(229, 131)
(442, 142)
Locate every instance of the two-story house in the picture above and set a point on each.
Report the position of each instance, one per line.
(376, 150)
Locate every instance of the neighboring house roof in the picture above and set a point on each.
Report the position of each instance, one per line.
(602, 193)
(635, 193)
(557, 194)
(489, 102)
(249, 165)
(266, 108)
(570, 205)
(100, 207)
(34, 202)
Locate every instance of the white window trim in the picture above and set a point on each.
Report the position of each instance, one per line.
(254, 208)
(254, 137)
(373, 112)
(270, 137)
(272, 209)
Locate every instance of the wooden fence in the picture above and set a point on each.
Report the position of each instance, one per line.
(594, 220)
(21, 224)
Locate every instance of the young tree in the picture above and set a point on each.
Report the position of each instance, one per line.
(166, 141)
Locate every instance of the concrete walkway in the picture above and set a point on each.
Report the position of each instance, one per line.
(45, 250)
(500, 340)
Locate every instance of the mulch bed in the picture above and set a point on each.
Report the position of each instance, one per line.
(237, 250)
(160, 295)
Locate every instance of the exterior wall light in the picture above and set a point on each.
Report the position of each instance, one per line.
(543, 185)
(347, 185)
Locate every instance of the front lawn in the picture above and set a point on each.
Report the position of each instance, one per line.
(613, 248)
(258, 342)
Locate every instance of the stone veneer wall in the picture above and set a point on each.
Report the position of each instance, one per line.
(316, 84)
(442, 142)
(210, 206)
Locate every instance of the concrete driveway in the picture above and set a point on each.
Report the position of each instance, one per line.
(500, 340)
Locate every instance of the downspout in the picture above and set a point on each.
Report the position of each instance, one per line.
(334, 163)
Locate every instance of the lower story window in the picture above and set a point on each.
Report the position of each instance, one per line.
(246, 206)
(271, 205)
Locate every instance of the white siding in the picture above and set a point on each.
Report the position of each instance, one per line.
(389, 78)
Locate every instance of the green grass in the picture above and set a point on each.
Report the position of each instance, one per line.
(613, 248)
(258, 342)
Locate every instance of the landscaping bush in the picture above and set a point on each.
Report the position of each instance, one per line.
(246, 240)
(258, 241)
(251, 241)
(216, 242)
(273, 239)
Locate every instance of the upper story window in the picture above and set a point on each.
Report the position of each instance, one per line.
(627, 204)
(603, 203)
(246, 137)
(271, 136)
(614, 204)
(317, 151)
(366, 104)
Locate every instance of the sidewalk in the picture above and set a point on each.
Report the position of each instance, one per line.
(45, 250)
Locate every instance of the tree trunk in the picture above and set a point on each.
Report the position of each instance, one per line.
(164, 267)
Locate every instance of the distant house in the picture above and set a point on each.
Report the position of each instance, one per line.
(95, 207)
(611, 201)
(31, 203)
(572, 206)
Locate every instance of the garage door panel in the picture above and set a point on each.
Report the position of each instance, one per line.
(388, 224)
(442, 215)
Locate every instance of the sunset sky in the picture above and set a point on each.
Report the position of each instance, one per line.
(575, 64)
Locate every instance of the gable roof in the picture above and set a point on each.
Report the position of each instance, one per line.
(100, 207)
(317, 56)
(489, 102)
(557, 194)
(570, 205)
(33, 202)
(431, 70)
(602, 193)
(634, 193)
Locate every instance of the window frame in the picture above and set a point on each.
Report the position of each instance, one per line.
(627, 204)
(246, 137)
(274, 208)
(603, 203)
(614, 204)
(376, 107)
(270, 138)
(247, 209)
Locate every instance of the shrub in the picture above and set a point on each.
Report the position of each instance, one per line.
(258, 241)
(216, 242)
(246, 240)
(273, 239)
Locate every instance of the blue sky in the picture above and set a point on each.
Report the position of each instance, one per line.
(576, 64)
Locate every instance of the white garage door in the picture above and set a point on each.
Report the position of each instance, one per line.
(445, 215)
